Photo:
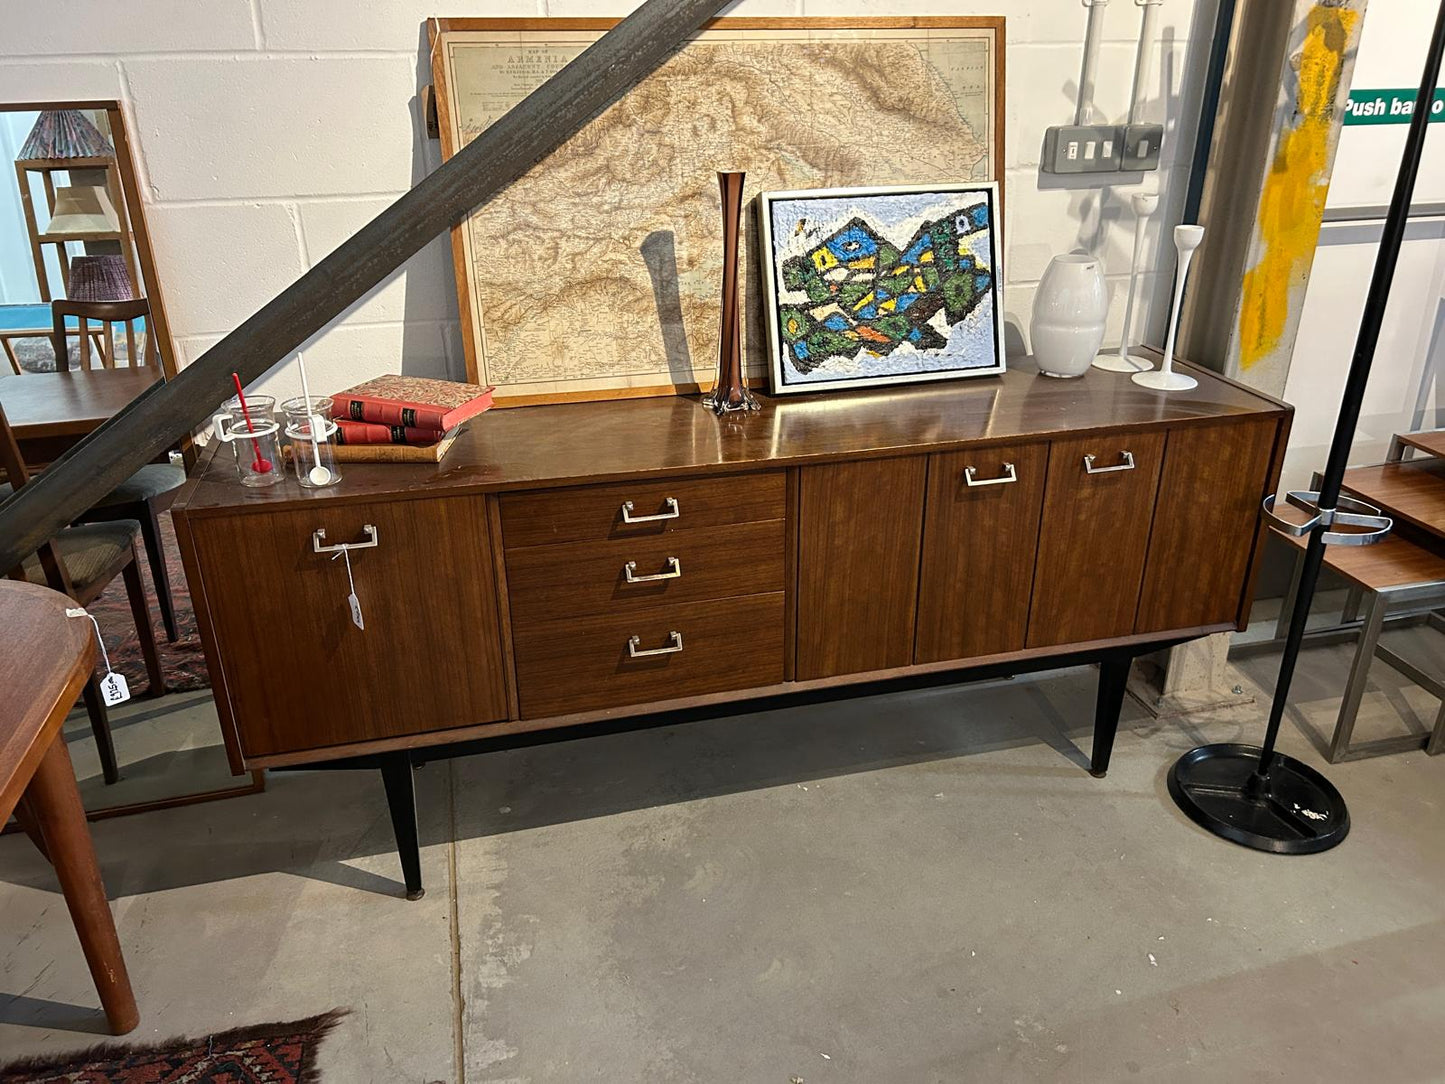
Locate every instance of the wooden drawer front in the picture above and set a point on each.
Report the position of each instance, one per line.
(979, 543)
(1206, 524)
(300, 675)
(594, 513)
(1093, 538)
(577, 665)
(859, 530)
(551, 582)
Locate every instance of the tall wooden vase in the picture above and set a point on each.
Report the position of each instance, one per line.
(729, 392)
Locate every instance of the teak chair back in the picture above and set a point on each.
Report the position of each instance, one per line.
(108, 314)
(17, 474)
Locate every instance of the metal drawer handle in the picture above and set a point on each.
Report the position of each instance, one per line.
(670, 504)
(319, 535)
(1009, 475)
(1128, 464)
(673, 565)
(674, 646)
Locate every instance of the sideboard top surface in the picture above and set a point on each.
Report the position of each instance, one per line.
(570, 443)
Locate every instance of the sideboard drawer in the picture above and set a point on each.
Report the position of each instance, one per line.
(622, 575)
(595, 513)
(696, 647)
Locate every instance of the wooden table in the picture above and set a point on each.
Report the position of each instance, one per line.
(45, 659)
(51, 411)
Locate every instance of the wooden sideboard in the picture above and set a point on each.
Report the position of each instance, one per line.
(574, 564)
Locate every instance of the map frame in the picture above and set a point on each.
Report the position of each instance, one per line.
(538, 31)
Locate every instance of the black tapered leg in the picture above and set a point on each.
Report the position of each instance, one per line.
(1113, 680)
(100, 727)
(396, 773)
(150, 530)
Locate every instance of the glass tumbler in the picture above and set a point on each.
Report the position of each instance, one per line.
(314, 454)
(252, 433)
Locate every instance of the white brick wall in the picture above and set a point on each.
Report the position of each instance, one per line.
(269, 130)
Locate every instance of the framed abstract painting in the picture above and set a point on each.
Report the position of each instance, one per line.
(885, 285)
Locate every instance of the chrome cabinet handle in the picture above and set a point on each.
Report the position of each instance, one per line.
(319, 535)
(673, 565)
(1128, 464)
(673, 647)
(670, 504)
(1009, 475)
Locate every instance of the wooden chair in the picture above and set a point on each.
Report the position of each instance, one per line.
(81, 562)
(108, 314)
(44, 660)
(149, 491)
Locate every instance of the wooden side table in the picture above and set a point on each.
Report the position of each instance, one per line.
(45, 660)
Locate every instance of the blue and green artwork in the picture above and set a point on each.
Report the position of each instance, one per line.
(882, 285)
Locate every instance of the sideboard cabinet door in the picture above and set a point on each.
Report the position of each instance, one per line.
(859, 530)
(980, 537)
(1093, 537)
(1206, 524)
(301, 675)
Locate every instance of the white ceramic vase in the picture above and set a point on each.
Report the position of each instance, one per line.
(1070, 309)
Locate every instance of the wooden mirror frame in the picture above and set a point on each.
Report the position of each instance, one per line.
(133, 208)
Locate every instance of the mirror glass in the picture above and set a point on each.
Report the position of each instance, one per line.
(82, 332)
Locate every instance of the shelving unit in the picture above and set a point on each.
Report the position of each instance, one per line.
(90, 209)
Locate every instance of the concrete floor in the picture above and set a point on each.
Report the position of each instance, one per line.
(916, 887)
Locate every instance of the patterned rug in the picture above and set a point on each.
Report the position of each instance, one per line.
(182, 663)
(264, 1054)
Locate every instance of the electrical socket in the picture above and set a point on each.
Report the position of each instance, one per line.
(1082, 148)
(1141, 144)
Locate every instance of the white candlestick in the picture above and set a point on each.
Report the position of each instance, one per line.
(1144, 204)
(1186, 240)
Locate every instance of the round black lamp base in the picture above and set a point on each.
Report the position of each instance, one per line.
(1296, 810)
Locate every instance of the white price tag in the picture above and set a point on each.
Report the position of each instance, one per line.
(351, 599)
(113, 688)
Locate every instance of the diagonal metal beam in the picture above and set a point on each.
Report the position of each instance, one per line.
(540, 123)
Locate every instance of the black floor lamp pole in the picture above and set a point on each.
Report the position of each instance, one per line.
(1256, 796)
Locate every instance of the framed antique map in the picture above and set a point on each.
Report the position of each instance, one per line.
(597, 273)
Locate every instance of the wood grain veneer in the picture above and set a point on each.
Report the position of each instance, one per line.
(807, 561)
(300, 675)
(646, 440)
(979, 544)
(860, 526)
(1214, 480)
(47, 661)
(1392, 562)
(1093, 539)
(1413, 491)
(593, 513)
(550, 582)
(582, 663)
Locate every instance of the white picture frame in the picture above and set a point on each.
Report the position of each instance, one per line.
(953, 332)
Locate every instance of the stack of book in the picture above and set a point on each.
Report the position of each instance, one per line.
(403, 418)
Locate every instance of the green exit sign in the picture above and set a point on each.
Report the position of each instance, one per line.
(1389, 106)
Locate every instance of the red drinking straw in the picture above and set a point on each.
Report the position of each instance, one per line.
(260, 466)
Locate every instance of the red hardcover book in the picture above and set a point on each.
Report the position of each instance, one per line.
(412, 401)
(349, 432)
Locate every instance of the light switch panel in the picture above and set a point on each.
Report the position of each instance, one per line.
(1082, 148)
